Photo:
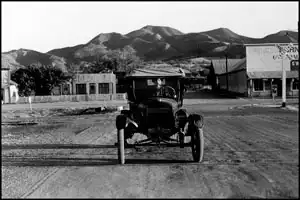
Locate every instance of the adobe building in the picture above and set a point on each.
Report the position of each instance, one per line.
(104, 83)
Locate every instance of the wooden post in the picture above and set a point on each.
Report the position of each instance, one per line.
(8, 80)
(227, 73)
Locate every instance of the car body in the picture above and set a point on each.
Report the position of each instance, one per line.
(155, 99)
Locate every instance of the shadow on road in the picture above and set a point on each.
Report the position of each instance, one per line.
(53, 146)
(60, 162)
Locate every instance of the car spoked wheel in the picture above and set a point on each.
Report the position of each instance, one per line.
(197, 144)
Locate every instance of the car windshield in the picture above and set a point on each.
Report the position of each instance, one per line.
(152, 87)
(165, 91)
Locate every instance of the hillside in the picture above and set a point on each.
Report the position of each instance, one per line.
(158, 31)
(160, 43)
(149, 43)
(24, 57)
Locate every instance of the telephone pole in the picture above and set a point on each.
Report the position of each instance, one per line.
(226, 56)
(8, 80)
(226, 59)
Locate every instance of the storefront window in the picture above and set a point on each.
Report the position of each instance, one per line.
(80, 88)
(268, 84)
(103, 88)
(92, 88)
(258, 85)
(295, 85)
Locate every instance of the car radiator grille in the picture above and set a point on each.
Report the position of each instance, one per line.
(160, 116)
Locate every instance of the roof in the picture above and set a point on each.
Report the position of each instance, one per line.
(272, 74)
(219, 65)
(170, 67)
(171, 72)
(241, 65)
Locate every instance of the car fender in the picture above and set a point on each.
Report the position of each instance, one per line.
(130, 121)
(196, 120)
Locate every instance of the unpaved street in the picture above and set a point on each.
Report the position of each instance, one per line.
(249, 152)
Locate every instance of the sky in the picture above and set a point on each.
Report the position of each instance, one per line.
(43, 26)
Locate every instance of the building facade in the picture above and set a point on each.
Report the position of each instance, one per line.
(260, 72)
(92, 84)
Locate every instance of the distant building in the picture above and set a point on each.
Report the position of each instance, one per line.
(94, 84)
(9, 88)
(89, 84)
(260, 71)
(219, 67)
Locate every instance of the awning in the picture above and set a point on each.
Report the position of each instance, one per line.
(272, 74)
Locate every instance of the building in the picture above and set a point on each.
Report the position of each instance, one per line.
(219, 67)
(104, 83)
(260, 71)
(9, 88)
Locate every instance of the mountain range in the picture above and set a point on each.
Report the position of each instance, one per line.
(149, 43)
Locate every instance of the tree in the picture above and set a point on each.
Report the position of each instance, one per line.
(39, 79)
(26, 83)
(118, 60)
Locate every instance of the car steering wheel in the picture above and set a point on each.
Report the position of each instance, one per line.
(167, 91)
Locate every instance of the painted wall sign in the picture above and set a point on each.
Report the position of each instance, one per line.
(268, 58)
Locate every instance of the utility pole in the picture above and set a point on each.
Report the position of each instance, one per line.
(8, 80)
(283, 78)
(283, 85)
(226, 56)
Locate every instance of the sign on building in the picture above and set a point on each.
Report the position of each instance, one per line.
(266, 57)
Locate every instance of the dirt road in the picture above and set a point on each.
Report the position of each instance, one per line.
(249, 152)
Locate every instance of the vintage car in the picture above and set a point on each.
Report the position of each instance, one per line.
(155, 100)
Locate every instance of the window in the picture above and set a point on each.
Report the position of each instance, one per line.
(92, 88)
(80, 88)
(258, 85)
(295, 85)
(294, 65)
(268, 84)
(103, 88)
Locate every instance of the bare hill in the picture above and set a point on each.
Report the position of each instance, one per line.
(24, 57)
(149, 43)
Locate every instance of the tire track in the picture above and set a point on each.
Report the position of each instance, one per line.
(57, 170)
(269, 135)
(267, 138)
(238, 145)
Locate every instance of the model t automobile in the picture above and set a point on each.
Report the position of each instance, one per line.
(155, 110)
